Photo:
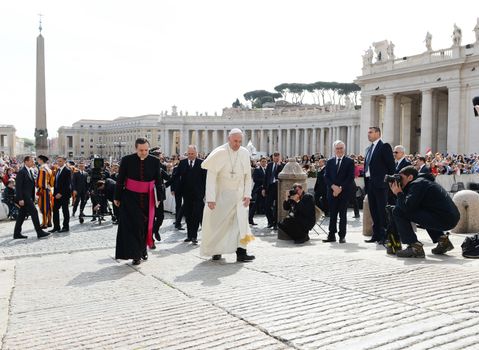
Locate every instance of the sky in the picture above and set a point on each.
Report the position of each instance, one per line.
(111, 58)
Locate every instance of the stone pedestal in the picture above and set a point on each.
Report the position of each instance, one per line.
(291, 174)
(468, 204)
(367, 219)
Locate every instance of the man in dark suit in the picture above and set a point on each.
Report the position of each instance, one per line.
(62, 194)
(400, 158)
(339, 177)
(192, 184)
(320, 189)
(270, 190)
(421, 166)
(257, 199)
(25, 198)
(174, 182)
(378, 162)
(80, 188)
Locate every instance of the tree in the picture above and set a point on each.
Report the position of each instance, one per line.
(259, 97)
(236, 104)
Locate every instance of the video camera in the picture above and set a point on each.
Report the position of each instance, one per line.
(389, 179)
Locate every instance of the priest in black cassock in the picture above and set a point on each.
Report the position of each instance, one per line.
(138, 176)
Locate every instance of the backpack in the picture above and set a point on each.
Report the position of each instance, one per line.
(470, 247)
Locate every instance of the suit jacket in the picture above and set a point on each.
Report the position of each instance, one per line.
(425, 170)
(80, 182)
(268, 175)
(191, 181)
(24, 186)
(404, 163)
(258, 180)
(320, 187)
(344, 177)
(63, 183)
(381, 162)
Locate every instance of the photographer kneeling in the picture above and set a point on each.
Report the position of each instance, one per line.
(105, 191)
(301, 217)
(423, 201)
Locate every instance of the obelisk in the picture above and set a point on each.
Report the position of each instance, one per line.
(41, 132)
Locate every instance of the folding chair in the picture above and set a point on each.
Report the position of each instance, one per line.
(320, 218)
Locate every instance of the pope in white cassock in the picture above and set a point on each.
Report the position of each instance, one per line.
(225, 227)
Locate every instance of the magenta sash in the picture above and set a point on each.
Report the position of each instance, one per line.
(145, 187)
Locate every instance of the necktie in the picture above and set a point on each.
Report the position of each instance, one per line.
(191, 164)
(368, 158)
(273, 169)
(338, 164)
(31, 174)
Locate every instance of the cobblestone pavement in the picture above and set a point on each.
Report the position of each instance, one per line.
(68, 292)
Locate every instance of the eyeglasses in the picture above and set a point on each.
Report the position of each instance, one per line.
(395, 152)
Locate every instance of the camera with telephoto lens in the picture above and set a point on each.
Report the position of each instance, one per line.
(292, 192)
(389, 179)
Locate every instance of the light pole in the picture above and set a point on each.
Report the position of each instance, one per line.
(100, 146)
(120, 145)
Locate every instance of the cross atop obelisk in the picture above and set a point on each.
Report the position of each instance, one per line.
(41, 132)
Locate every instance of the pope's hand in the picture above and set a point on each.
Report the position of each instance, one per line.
(211, 205)
(246, 201)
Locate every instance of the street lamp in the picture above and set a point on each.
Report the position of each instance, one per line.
(120, 145)
(100, 146)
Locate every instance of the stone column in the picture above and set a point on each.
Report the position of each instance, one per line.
(454, 123)
(280, 141)
(270, 143)
(405, 139)
(426, 121)
(305, 141)
(321, 141)
(314, 145)
(367, 114)
(288, 142)
(253, 138)
(296, 143)
(388, 126)
(207, 142)
(262, 144)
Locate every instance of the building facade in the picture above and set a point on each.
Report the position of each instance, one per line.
(8, 140)
(423, 102)
(291, 130)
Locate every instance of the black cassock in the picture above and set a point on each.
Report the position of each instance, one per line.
(134, 207)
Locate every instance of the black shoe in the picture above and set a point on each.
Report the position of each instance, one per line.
(114, 222)
(216, 257)
(252, 223)
(342, 240)
(136, 262)
(157, 236)
(54, 230)
(73, 214)
(275, 228)
(179, 228)
(153, 247)
(270, 226)
(242, 256)
(329, 239)
(145, 257)
(42, 234)
(65, 229)
(19, 236)
(187, 240)
(356, 217)
(94, 219)
(372, 240)
(194, 242)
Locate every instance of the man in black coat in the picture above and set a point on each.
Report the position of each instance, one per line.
(270, 190)
(80, 188)
(25, 197)
(378, 162)
(192, 184)
(400, 160)
(339, 177)
(320, 189)
(61, 194)
(301, 214)
(422, 168)
(423, 201)
(174, 182)
(257, 199)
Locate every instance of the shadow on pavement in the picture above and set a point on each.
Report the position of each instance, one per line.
(210, 272)
(109, 273)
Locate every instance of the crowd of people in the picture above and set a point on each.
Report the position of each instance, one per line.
(223, 193)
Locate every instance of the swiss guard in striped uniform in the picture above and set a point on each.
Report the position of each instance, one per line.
(45, 181)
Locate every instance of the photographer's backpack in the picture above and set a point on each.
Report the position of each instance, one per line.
(470, 247)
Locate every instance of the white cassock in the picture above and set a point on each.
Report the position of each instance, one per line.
(228, 181)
